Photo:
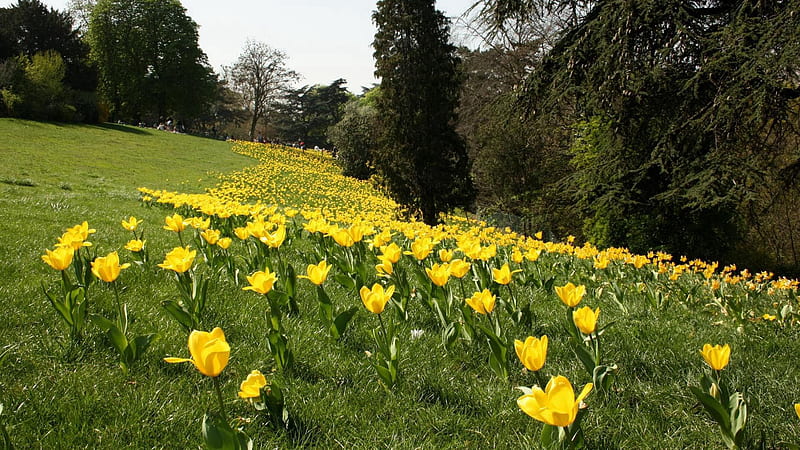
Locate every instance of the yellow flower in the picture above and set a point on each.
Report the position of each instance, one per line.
(75, 239)
(570, 294)
(317, 273)
(135, 245)
(224, 243)
(384, 268)
(276, 238)
(532, 353)
(375, 299)
(503, 274)
(211, 236)
(107, 268)
(421, 248)
(241, 232)
(131, 224)
(60, 258)
(532, 254)
(175, 223)
(343, 238)
(586, 319)
(797, 409)
(516, 256)
(601, 261)
(261, 282)
(717, 356)
(251, 387)
(210, 352)
(439, 274)
(391, 253)
(198, 223)
(446, 255)
(459, 268)
(482, 302)
(556, 405)
(179, 260)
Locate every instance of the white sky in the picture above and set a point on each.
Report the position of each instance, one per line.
(323, 39)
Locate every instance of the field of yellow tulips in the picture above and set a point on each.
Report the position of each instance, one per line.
(313, 315)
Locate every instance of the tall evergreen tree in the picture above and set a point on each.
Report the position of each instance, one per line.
(422, 159)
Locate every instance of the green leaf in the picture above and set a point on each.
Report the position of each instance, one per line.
(180, 314)
(341, 321)
(586, 357)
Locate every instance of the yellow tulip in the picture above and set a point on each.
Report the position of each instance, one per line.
(375, 299)
(556, 405)
(532, 353)
(73, 239)
(211, 236)
(446, 255)
(276, 238)
(198, 223)
(482, 302)
(131, 224)
(241, 232)
(224, 243)
(210, 352)
(503, 275)
(717, 356)
(532, 254)
(570, 294)
(391, 253)
(179, 260)
(135, 245)
(261, 282)
(317, 273)
(384, 268)
(60, 258)
(251, 387)
(459, 268)
(421, 248)
(586, 319)
(516, 256)
(797, 409)
(439, 274)
(175, 223)
(107, 268)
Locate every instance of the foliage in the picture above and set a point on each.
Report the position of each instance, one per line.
(420, 157)
(44, 67)
(164, 74)
(260, 75)
(698, 98)
(307, 113)
(355, 137)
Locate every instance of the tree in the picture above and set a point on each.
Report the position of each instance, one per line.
(43, 42)
(150, 63)
(260, 75)
(421, 158)
(685, 113)
(356, 135)
(308, 112)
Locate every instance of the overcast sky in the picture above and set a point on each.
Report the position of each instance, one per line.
(324, 39)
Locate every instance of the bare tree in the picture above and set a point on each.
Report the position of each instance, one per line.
(260, 75)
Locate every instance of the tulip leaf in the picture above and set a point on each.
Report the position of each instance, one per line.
(714, 408)
(341, 321)
(586, 357)
(180, 314)
(219, 435)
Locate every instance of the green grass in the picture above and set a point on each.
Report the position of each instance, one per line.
(58, 399)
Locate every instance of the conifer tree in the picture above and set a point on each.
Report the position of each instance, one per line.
(421, 158)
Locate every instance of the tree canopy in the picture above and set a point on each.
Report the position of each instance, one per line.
(421, 158)
(150, 63)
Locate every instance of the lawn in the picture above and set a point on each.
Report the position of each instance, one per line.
(656, 312)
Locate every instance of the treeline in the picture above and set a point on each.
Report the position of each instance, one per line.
(139, 62)
(646, 124)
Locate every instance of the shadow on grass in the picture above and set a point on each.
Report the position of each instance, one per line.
(122, 128)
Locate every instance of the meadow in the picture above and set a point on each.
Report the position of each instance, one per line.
(432, 370)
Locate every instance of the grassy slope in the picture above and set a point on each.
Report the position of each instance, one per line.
(444, 400)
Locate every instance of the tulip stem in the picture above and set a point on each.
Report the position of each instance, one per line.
(383, 329)
(219, 397)
(122, 321)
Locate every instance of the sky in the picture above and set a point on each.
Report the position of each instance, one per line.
(323, 39)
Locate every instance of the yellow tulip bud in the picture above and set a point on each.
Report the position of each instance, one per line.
(251, 387)
(717, 356)
(210, 352)
(532, 353)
